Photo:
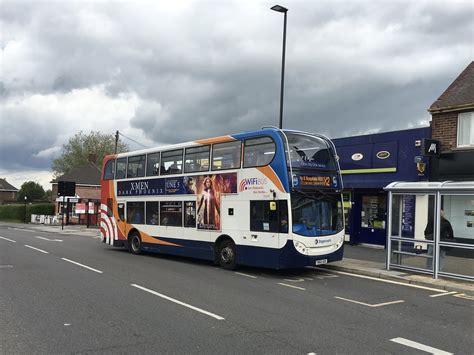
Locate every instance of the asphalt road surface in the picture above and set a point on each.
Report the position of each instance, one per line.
(74, 294)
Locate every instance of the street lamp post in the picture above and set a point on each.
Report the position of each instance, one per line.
(24, 215)
(283, 10)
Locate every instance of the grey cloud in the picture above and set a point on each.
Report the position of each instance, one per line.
(205, 69)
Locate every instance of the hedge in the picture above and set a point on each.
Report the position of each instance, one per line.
(17, 212)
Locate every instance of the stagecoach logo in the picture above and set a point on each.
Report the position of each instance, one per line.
(255, 184)
(383, 154)
(357, 156)
(322, 241)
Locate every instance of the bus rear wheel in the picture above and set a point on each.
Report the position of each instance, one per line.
(135, 243)
(226, 255)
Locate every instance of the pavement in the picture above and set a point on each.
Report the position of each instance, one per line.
(363, 260)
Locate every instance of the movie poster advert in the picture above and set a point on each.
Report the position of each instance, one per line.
(209, 189)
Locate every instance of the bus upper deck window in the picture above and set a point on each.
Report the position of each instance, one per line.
(172, 162)
(258, 151)
(136, 166)
(109, 170)
(121, 168)
(153, 164)
(226, 155)
(196, 159)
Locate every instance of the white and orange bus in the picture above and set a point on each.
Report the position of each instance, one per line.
(268, 198)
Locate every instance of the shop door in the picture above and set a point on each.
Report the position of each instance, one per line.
(370, 215)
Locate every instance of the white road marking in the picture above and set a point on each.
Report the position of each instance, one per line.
(422, 347)
(463, 295)
(443, 294)
(251, 276)
(299, 288)
(67, 324)
(294, 280)
(178, 302)
(8, 240)
(386, 281)
(84, 266)
(49, 240)
(368, 304)
(6, 266)
(41, 250)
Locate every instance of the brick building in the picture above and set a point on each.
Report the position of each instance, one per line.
(87, 179)
(8, 193)
(452, 125)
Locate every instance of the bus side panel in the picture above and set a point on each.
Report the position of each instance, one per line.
(188, 248)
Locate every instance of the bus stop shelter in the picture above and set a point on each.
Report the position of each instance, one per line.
(430, 228)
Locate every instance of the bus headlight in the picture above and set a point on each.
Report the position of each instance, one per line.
(301, 247)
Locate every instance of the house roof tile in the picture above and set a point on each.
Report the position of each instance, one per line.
(459, 95)
(5, 186)
(87, 174)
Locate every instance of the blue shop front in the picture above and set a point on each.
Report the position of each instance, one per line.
(369, 163)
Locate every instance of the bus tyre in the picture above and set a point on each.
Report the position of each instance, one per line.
(135, 243)
(226, 255)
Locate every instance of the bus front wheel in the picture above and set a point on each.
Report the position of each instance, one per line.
(135, 243)
(226, 254)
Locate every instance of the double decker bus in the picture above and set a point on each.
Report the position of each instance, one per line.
(269, 198)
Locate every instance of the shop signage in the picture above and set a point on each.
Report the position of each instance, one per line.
(80, 207)
(430, 147)
(357, 156)
(383, 154)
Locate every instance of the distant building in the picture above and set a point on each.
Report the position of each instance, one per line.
(87, 197)
(8, 193)
(452, 124)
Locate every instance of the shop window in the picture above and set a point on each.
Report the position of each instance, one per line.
(265, 216)
(226, 155)
(153, 164)
(135, 212)
(136, 166)
(190, 214)
(171, 213)
(152, 216)
(373, 214)
(121, 168)
(196, 159)
(109, 170)
(171, 162)
(466, 129)
(258, 152)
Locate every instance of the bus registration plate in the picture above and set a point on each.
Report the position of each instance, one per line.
(321, 262)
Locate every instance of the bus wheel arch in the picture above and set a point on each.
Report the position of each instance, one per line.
(225, 252)
(134, 242)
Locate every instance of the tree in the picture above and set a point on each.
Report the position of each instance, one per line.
(32, 190)
(78, 150)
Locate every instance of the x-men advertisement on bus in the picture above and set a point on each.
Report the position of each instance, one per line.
(208, 189)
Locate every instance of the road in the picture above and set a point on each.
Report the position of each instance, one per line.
(73, 294)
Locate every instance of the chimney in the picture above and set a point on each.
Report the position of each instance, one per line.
(92, 158)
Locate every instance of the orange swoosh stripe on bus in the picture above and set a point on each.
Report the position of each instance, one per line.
(219, 139)
(270, 173)
(146, 238)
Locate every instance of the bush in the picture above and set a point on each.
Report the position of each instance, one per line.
(17, 212)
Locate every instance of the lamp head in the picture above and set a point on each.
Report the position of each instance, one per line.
(279, 8)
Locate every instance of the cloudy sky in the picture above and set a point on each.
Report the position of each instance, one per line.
(168, 72)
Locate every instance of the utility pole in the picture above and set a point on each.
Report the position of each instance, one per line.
(116, 141)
